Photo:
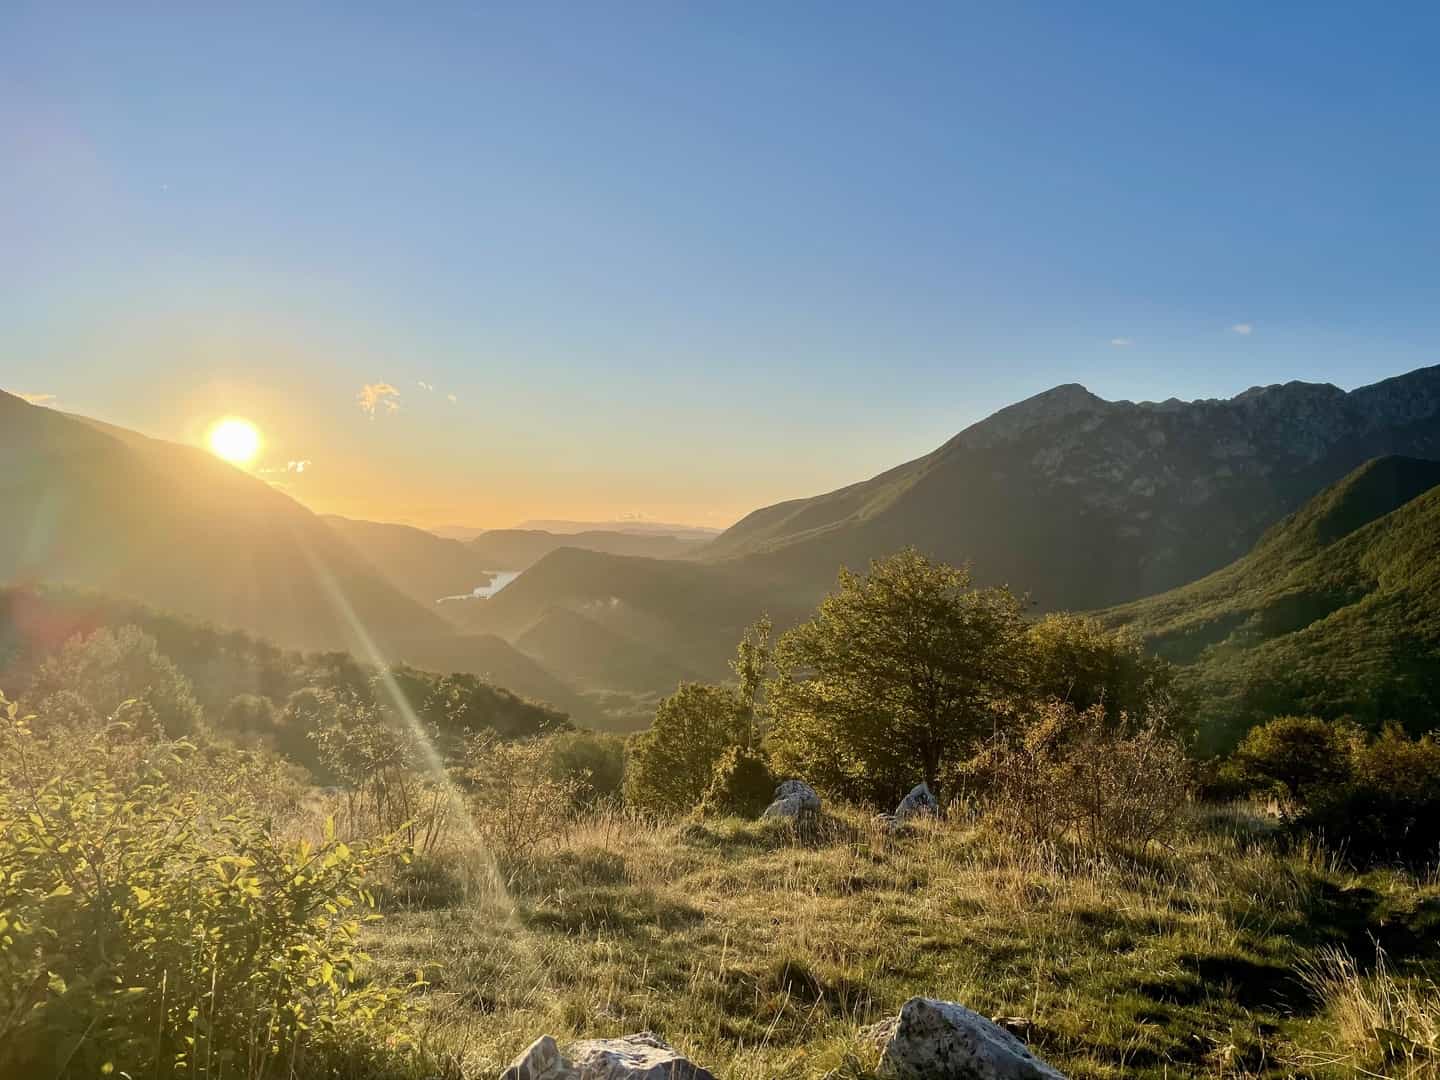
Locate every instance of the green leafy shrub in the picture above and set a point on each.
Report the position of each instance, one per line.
(593, 760)
(741, 786)
(114, 666)
(515, 801)
(142, 933)
(1302, 760)
(671, 764)
(1377, 799)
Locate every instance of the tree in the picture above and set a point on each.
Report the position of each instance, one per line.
(250, 715)
(898, 677)
(672, 763)
(751, 663)
(1076, 659)
(114, 666)
(1302, 758)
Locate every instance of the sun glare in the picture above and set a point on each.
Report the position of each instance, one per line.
(235, 440)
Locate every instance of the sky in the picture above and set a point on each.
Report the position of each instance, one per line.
(678, 261)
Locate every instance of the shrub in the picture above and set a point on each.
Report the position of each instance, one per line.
(593, 760)
(741, 786)
(250, 715)
(143, 933)
(1108, 784)
(1377, 798)
(114, 666)
(671, 764)
(895, 679)
(517, 803)
(1300, 759)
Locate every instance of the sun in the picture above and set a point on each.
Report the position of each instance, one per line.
(235, 440)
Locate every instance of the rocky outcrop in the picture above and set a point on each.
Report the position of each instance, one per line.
(643, 1056)
(921, 802)
(940, 1040)
(793, 799)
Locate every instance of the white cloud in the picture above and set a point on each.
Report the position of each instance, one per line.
(426, 386)
(1121, 342)
(290, 467)
(452, 398)
(375, 396)
(37, 399)
(1244, 329)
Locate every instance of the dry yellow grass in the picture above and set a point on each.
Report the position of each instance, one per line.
(765, 955)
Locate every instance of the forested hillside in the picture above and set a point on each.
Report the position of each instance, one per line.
(1336, 612)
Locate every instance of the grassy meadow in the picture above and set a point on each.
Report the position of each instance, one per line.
(766, 954)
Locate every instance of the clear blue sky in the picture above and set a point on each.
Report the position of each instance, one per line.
(680, 260)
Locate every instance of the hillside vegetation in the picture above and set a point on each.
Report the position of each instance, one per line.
(1335, 612)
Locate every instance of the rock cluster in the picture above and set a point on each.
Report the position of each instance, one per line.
(643, 1056)
(940, 1040)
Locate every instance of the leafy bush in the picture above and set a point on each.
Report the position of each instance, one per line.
(517, 804)
(1376, 798)
(671, 764)
(114, 666)
(741, 786)
(144, 933)
(1107, 784)
(250, 715)
(593, 760)
(1299, 759)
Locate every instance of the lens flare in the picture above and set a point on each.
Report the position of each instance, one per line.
(235, 440)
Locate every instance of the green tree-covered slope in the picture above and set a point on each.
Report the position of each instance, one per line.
(1335, 612)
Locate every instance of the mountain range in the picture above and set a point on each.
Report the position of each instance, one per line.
(1079, 502)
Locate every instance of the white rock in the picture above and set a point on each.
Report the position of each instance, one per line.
(800, 789)
(643, 1056)
(940, 1040)
(541, 1061)
(789, 808)
(920, 801)
(633, 1057)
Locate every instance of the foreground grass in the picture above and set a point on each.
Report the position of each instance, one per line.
(765, 955)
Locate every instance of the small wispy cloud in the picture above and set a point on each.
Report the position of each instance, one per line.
(290, 467)
(452, 398)
(376, 396)
(1244, 329)
(37, 399)
(426, 386)
(1121, 342)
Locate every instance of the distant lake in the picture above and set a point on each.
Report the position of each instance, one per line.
(498, 580)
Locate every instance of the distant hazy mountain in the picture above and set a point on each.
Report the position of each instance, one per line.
(87, 504)
(424, 566)
(570, 528)
(1336, 611)
(516, 549)
(597, 657)
(1084, 502)
(639, 528)
(684, 614)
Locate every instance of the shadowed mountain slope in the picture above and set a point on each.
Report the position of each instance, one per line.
(1084, 502)
(174, 528)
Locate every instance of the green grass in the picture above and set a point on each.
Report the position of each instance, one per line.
(765, 956)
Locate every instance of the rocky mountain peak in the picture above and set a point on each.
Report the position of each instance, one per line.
(1059, 402)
